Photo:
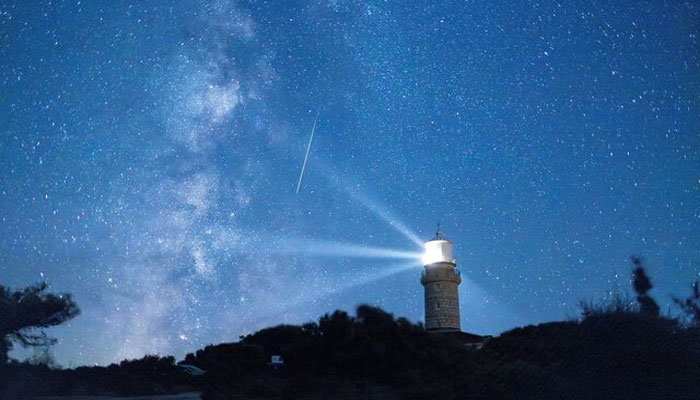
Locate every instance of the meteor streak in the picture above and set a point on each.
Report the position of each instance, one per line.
(306, 157)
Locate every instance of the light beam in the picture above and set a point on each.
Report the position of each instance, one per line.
(268, 245)
(372, 205)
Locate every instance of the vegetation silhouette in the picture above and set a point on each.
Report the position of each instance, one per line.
(691, 305)
(616, 349)
(24, 313)
(642, 284)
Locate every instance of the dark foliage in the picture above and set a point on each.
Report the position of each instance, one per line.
(148, 375)
(642, 284)
(614, 351)
(615, 306)
(23, 313)
(691, 305)
(611, 352)
(371, 352)
(623, 355)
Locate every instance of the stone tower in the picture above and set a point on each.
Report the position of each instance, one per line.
(440, 279)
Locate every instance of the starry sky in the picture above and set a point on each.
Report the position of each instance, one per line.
(150, 152)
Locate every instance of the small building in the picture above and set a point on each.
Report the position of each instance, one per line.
(276, 361)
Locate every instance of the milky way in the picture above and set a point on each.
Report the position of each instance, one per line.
(150, 152)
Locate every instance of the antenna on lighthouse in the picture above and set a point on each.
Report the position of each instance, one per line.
(438, 233)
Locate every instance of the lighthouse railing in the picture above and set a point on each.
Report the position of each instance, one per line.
(444, 273)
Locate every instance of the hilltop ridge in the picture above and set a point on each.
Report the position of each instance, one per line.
(607, 353)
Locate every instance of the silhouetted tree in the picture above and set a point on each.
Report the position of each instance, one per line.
(23, 313)
(691, 305)
(42, 356)
(642, 284)
(337, 326)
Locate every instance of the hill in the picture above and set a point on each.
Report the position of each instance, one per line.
(608, 354)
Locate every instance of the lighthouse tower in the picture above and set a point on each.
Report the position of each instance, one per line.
(440, 279)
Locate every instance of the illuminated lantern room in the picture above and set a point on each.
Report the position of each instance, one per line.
(438, 250)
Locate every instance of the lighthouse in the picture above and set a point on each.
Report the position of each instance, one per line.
(440, 278)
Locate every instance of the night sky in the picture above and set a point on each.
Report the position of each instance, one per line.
(150, 152)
